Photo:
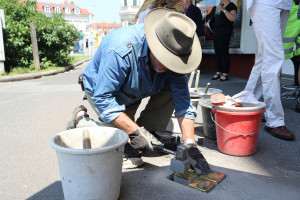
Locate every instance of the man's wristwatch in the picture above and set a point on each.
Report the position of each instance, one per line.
(224, 11)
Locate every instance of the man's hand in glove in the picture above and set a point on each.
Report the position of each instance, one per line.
(198, 162)
(142, 140)
(169, 142)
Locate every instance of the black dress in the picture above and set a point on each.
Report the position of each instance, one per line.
(222, 29)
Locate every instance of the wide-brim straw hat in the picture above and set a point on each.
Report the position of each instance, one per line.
(172, 38)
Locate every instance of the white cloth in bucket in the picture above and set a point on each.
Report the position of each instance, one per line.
(245, 96)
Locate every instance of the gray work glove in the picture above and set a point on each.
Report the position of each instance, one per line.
(169, 142)
(198, 161)
(142, 140)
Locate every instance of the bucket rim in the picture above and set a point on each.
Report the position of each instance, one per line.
(88, 151)
(199, 92)
(238, 112)
(259, 106)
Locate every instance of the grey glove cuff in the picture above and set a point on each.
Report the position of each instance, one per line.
(189, 141)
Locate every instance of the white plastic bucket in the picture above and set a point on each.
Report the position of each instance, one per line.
(196, 95)
(90, 173)
(209, 128)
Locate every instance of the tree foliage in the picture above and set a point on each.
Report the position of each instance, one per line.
(54, 35)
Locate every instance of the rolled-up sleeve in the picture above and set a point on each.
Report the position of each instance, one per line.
(178, 84)
(110, 78)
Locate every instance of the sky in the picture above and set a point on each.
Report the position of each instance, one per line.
(103, 10)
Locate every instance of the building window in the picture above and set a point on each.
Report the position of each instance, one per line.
(134, 2)
(99, 28)
(47, 8)
(125, 2)
(77, 11)
(67, 10)
(57, 9)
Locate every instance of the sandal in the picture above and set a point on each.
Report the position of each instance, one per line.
(216, 76)
(74, 121)
(223, 77)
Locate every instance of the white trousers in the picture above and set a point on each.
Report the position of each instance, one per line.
(269, 25)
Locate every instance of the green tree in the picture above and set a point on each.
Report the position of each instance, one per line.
(54, 35)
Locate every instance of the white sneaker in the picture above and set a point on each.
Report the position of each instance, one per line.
(132, 163)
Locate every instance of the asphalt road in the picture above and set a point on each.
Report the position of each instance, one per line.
(32, 111)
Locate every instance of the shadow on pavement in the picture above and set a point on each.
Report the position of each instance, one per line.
(52, 192)
(154, 184)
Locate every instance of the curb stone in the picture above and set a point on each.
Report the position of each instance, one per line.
(40, 74)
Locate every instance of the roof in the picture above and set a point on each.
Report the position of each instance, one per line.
(40, 7)
(114, 25)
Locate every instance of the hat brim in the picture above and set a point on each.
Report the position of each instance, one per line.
(179, 64)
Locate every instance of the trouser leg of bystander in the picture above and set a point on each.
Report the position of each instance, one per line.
(269, 25)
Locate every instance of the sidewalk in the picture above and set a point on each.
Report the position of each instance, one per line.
(32, 111)
(273, 172)
(29, 76)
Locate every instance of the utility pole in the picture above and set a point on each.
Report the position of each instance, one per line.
(35, 49)
(2, 53)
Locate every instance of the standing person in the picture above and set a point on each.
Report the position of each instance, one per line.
(195, 14)
(222, 29)
(143, 14)
(144, 60)
(291, 39)
(269, 20)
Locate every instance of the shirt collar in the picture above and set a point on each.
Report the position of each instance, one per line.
(144, 49)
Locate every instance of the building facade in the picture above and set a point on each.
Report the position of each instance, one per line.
(81, 18)
(101, 29)
(129, 9)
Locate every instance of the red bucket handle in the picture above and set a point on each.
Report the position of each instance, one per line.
(238, 134)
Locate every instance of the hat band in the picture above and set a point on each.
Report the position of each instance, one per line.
(167, 47)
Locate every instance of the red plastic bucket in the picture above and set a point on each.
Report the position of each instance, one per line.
(237, 132)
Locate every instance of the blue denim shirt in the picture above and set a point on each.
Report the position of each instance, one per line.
(119, 68)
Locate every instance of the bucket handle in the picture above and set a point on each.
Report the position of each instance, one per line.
(245, 135)
(123, 154)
